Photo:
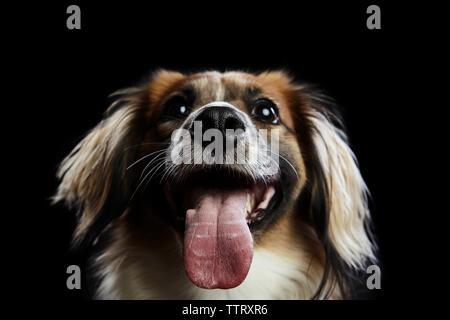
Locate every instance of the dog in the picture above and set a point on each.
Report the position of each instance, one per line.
(292, 224)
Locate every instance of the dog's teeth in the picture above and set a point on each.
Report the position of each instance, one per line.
(248, 205)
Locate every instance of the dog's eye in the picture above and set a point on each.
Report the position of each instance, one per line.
(266, 111)
(177, 107)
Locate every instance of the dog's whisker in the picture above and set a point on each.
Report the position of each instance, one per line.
(156, 166)
(167, 171)
(286, 160)
(155, 172)
(171, 172)
(142, 180)
(144, 157)
(179, 172)
(157, 157)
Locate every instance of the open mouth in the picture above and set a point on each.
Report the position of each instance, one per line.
(216, 211)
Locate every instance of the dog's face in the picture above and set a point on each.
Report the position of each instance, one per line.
(223, 158)
(226, 195)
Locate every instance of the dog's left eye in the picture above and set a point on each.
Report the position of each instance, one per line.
(177, 107)
(266, 111)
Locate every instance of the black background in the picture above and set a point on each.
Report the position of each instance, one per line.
(73, 72)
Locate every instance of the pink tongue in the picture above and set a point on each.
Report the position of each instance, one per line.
(218, 245)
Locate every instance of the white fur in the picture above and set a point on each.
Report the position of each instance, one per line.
(271, 276)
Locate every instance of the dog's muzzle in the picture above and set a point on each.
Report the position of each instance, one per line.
(230, 190)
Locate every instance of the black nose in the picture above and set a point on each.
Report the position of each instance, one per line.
(221, 118)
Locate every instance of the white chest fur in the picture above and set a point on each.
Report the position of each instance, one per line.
(271, 276)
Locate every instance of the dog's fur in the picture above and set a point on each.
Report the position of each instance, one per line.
(312, 247)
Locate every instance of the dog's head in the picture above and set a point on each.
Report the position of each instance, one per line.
(223, 158)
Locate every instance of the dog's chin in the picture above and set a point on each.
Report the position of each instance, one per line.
(217, 211)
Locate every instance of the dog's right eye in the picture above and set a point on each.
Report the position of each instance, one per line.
(177, 107)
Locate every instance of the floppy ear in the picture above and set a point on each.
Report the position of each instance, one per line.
(349, 213)
(93, 176)
(343, 196)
